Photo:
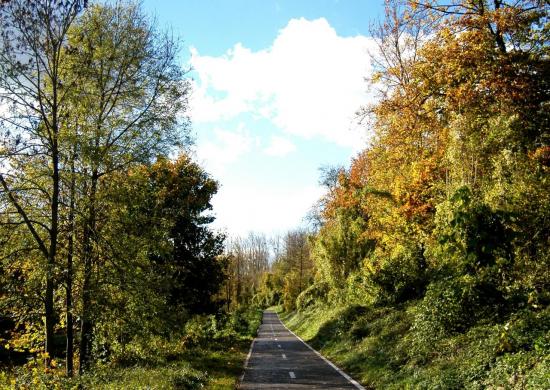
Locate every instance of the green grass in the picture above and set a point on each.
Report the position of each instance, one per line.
(204, 368)
(380, 347)
(214, 368)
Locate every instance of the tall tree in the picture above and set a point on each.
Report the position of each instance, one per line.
(194, 265)
(128, 73)
(33, 93)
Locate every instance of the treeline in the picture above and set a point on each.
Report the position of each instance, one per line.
(452, 196)
(446, 214)
(266, 271)
(104, 240)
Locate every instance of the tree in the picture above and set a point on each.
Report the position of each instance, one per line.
(249, 260)
(127, 73)
(463, 103)
(293, 266)
(34, 91)
(194, 265)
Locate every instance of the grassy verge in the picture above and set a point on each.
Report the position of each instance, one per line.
(210, 368)
(381, 347)
(203, 358)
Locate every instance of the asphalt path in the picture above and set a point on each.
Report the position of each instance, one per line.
(278, 359)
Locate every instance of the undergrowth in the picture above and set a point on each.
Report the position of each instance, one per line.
(208, 353)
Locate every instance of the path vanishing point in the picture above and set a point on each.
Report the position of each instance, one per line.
(278, 359)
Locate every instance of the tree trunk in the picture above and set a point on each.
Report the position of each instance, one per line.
(86, 324)
(301, 269)
(238, 289)
(50, 270)
(69, 291)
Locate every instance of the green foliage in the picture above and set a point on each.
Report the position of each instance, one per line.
(270, 290)
(522, 370)
(195, 269)
(291, 271)
(208, 352)
(222, 328)
(401, 276)
(184, 381)
(472, 238)
(451, 306)
(340, 248)
(453, 243)
(314, 294)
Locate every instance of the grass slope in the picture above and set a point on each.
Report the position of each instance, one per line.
(380, 347)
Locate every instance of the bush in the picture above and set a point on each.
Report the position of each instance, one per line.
(338, 326)
(401, 277)
(314, 294)
(471, 238)
(199, 330)
(526, 330)
(241, 323)
(514, 371)
(366, 324)
(453, 305)
(245, 321)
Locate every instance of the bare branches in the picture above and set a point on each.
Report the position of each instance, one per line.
(26, 219)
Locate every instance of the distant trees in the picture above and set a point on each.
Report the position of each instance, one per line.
(293, 267)
(248, 259)
(286, 271)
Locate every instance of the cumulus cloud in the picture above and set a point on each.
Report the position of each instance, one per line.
(227, 147)
(270, 210)
(279, 147)
(309, 83)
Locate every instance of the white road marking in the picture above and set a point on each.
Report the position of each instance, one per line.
(284, 356)
(248, 358)
(291, 373)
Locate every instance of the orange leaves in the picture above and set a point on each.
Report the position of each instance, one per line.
(474, 88)
(421, 194)
(541, 155)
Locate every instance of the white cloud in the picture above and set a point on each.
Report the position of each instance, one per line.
(268, 209)
(279, 147)
(227, 148)
(309, 82)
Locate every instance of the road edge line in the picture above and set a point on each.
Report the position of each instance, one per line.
(246, 361)
(349, 378)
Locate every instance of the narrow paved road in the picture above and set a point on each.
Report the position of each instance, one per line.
(279, 360)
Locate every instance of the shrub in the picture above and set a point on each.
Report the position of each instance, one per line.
(471, 238)
(400, 277)
(314, 294)
(453, 305)
(199, 330)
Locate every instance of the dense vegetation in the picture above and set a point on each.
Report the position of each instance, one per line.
(432, 261)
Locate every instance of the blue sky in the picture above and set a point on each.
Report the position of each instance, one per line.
(276, 86)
